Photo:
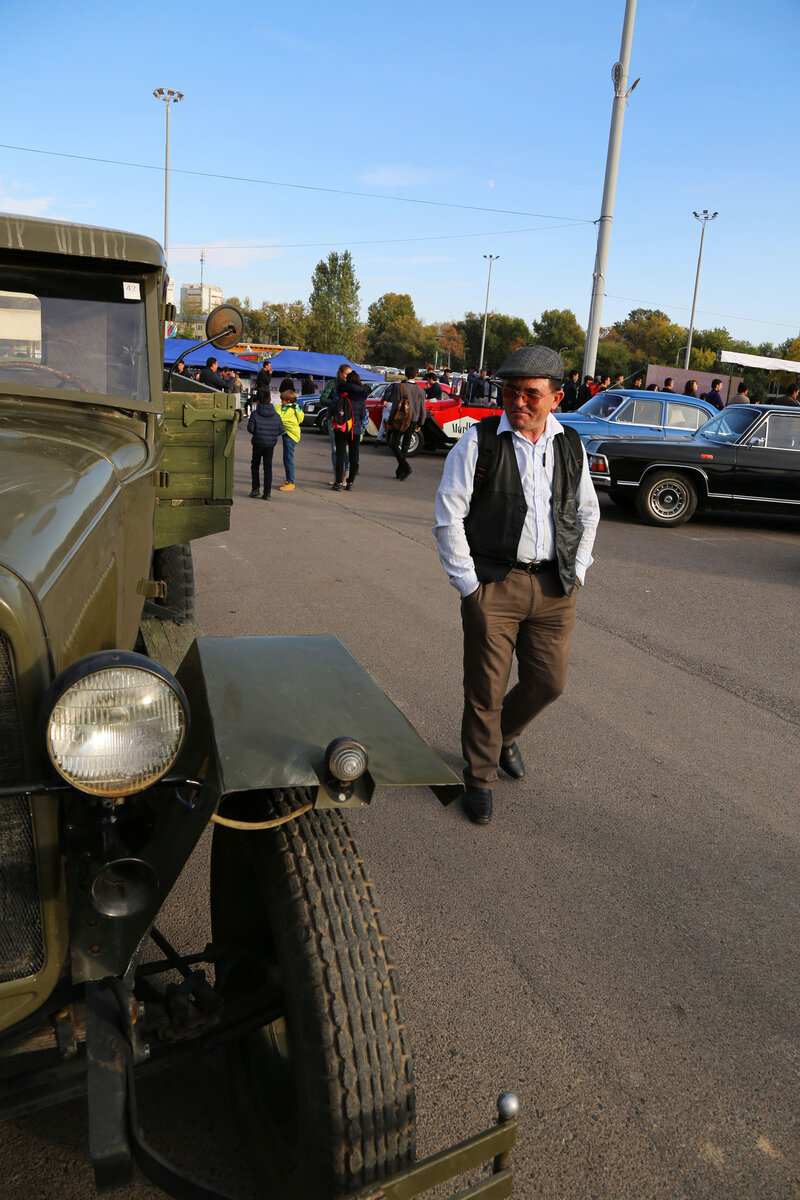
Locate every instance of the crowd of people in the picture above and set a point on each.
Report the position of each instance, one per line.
(576, 395)
(345, 396)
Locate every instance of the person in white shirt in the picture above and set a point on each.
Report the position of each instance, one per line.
(515, 521)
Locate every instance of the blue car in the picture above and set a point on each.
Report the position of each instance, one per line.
(657, 416)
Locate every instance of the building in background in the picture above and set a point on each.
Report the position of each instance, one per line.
(200, 297)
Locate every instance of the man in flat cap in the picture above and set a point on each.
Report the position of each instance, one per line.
(516, 515)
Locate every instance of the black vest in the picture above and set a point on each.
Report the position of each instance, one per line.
(498, 506)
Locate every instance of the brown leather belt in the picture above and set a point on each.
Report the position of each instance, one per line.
(533, 568)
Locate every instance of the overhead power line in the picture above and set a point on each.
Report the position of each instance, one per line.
(439, 237)
(304, 187)
(705, 312)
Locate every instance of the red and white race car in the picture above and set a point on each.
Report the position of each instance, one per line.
(446, 419)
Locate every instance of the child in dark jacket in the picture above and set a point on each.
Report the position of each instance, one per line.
(266, 428)
(349, 407)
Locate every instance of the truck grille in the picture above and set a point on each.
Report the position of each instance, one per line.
(21, 940)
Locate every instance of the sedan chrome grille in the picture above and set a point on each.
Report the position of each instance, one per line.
(21, 938)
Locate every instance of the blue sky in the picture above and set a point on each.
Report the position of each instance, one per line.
(502, 106)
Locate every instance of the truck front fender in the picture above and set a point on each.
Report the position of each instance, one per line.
(264, 709)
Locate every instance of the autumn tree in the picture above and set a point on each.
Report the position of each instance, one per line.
(451, 343)
(651, 336)
(334, 314)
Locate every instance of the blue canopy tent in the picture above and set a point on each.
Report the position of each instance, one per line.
(324, 366)
(174, 348)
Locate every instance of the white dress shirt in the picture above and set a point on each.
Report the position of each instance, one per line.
(538, 539)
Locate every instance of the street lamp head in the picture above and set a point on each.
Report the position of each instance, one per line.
(167, 95)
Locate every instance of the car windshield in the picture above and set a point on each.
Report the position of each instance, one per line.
(728, 426)
(83, 331)
(603, 404)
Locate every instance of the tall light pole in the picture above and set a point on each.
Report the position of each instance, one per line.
(169, 96)
(704, 217)
(619, 77)
(492, 259)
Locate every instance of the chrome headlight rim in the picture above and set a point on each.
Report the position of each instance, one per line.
(92, 664)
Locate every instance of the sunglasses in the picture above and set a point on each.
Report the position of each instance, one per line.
(530, 396)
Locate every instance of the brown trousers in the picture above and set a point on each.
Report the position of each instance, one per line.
(526, 613)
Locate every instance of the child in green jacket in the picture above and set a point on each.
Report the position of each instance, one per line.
(292, 416)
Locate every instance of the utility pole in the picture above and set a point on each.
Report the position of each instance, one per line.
(704, 217)
(169, 96)
(202, 262)
(492, 259)
(619, 77)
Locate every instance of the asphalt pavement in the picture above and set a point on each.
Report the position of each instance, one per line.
(620, 945)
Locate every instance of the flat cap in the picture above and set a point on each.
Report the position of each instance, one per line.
(533, 362)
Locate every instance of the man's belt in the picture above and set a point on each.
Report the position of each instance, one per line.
(533, 568)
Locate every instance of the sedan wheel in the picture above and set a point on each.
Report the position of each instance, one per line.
(414, 444)
(666, 499)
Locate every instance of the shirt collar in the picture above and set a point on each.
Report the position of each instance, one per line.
(550, 430)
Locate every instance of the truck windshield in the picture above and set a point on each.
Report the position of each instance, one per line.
(83, 331)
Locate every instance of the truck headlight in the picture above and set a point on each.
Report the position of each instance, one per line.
(116, 723)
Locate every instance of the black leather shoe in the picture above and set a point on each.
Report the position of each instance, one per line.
(511, 761)
(477, 804)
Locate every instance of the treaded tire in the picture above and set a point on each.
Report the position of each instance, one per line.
(327, 1094)
(175, 567)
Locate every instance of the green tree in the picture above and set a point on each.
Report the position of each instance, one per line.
(613, 355)
(558, 328)
(394, 332)
(333, 306)
(503, 334)
(289, 322)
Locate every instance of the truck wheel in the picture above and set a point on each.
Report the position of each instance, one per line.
(174, 566)
(666, 498)
(322, 422)
(325, 1091)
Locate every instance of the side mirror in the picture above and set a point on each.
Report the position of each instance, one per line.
(224, 326)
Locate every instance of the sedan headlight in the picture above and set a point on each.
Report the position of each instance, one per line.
(116, 723)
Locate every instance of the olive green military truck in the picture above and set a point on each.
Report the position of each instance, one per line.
(123, 735)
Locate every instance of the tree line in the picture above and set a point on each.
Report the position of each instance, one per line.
(394, 335)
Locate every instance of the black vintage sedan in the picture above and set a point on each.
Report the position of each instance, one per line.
(747, 457)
